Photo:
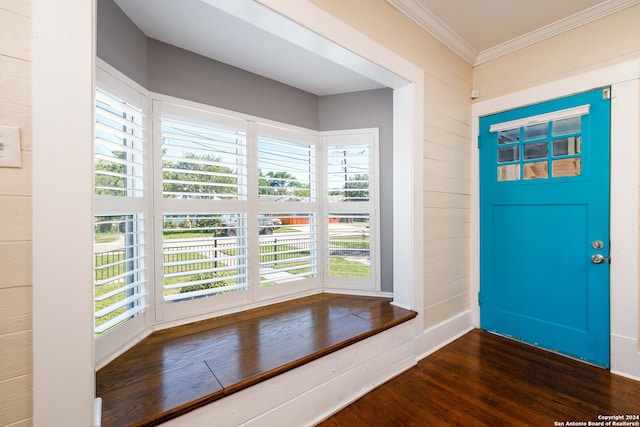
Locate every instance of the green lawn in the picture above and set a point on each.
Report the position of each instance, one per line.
(105, 289)
(180, 233)
(338, 267)
(107, 237)
(341, 267)
(286, 229)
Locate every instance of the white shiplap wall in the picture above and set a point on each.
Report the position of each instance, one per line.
(15, 218)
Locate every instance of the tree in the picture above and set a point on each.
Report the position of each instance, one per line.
(278, 183)
(109, 176)
(263, 186)
(195, 175)
(357, 188)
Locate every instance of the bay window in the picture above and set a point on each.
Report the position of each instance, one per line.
(208, 211)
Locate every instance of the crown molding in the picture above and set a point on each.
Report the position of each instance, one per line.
(419, 14)
(569, 23)
(426, 20)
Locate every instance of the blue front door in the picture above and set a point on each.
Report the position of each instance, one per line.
(544, 225)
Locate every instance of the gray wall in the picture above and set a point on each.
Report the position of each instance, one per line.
(372, 108)
(120, 42)
(169, 70)
(183, 74)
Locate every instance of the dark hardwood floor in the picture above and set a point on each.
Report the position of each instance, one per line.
(485, 380)
(180, 369)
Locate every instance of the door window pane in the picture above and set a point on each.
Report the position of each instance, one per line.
(559, 139)
(509, 173)
(536, 131)
(566, 126)
(566, 167)
(509, 154)
(508, 136)
(538, 150)
(536, 170)
(567, 146)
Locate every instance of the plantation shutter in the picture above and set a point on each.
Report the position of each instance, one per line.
(120, 259)
(118, 148)
(286, 169)
(287, 202)
(351, 209)
(204, 193)
(203, 161)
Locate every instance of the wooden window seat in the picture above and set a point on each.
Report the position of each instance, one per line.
(176, 370)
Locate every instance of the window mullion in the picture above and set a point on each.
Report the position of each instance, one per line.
(253, 235)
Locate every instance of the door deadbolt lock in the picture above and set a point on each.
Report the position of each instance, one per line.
(597, 244)
(599, 259)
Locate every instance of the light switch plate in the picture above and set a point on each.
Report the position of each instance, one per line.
(10, 156)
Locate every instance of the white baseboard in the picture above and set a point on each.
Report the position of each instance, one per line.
(625, 357)
(443, 333)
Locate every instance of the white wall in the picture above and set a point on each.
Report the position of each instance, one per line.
(15, 218)
(63, 373)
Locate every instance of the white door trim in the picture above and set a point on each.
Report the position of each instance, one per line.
(624, 80)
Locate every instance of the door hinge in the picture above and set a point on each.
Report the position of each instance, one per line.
(478, 142)
(606, 93)
(480, 298)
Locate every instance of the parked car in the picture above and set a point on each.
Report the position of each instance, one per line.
(267, 225)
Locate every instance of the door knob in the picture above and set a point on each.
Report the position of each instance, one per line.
(599, 259)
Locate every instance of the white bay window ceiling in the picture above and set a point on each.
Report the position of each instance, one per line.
(251, 41)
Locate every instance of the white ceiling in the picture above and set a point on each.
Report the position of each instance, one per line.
(480, 30)
(246, 35)
(239, 33)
